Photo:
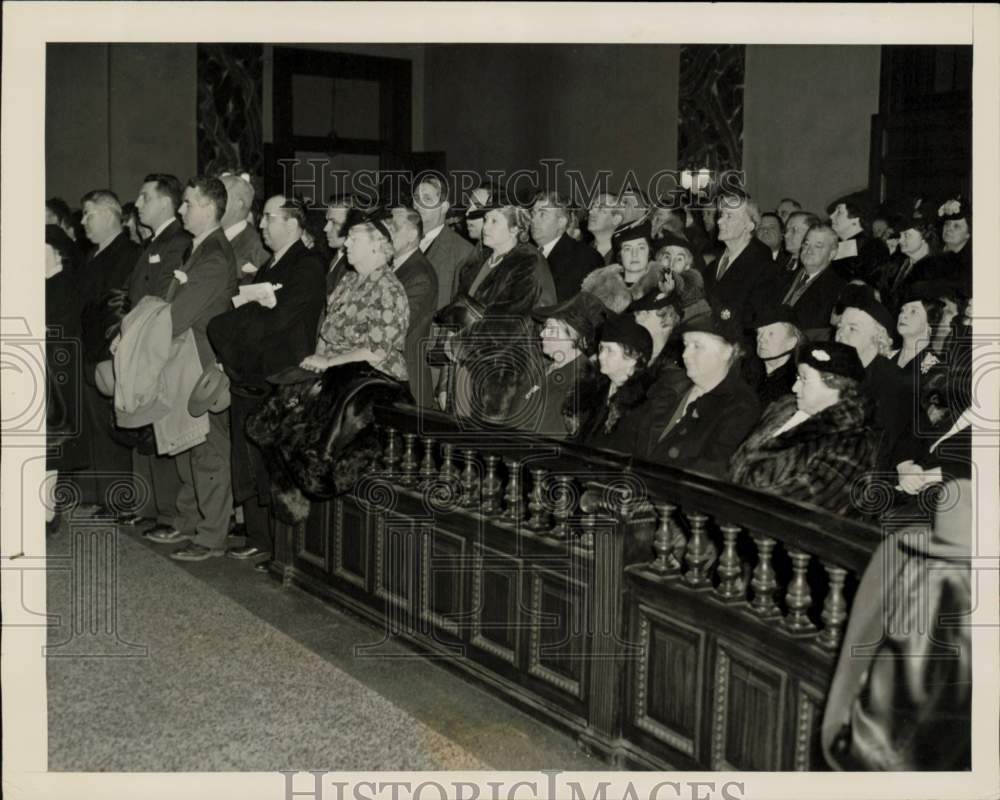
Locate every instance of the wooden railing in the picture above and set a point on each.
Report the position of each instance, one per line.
(668, 619)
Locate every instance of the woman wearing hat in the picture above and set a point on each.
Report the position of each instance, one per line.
(815, 446)
(919, 314)
(716, 411)
(601, 412)
(955, 216)
(635, 273)
(918, 252)
(567, 340)
(486, 367)
(778, 337)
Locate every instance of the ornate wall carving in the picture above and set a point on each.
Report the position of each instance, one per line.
(711, 106)
(230, 121)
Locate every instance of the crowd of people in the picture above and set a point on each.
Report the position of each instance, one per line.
(804, 353)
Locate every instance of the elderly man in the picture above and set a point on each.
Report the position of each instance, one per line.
(858, 254)
(248, 251)
(205, 500)
(157, 202)
(420, 283)
(739, 281)
(569, 260)
(446, 250)
(603, 218)
(254, 341)
(799, 223)
(106, 270)
(813, 290)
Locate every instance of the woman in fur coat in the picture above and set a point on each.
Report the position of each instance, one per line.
(815, 446)
(601, 411)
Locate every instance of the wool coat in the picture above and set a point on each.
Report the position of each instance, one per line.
(819, 461)
(608, 423)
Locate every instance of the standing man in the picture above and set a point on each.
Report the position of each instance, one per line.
(569, 260)
(205, 500)
(254, 341)
(420, 283)
(813, 290)
(446, 250)
(247, 248)
(336, 218)
(859, 255)
(105, 272)
(157, 203)
(603, 218)
(786, 208)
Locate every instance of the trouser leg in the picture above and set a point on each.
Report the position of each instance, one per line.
(162, 481)
(210, 470)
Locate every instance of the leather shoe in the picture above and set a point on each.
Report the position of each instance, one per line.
(130, 520)
(263, 566)
(241, 553)
(164, 534)
(195, 552)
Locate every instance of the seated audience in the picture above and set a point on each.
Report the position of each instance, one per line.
(603, 218)
(859, 255)
(813, 290)
(569, 260)
(955, 218)
(771, 232)
(778, 337)
(635, 274)
(814, 447)
(918, 259)
(682, 277)
(798, 225)
(919, 313)
(716, 412)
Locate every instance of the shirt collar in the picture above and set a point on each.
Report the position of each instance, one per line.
(196, 243)
(548, 248)
(277, 256)
(104, 245)
(430, 236)
(400, 259)
(235, 230)
(163, 226)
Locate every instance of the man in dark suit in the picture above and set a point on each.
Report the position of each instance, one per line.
(740, 280)
(254, 341)
(569, 260)
(158, 200)
(205, 500)
(248, 250)
(813, 290)
(798, 225)
(603, 218)
(859, 255)
(105, 271)
(420, 282)
(446, 250)
(771, 232)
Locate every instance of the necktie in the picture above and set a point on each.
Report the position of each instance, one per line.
(793, 264)
(723, 266)
(798, 287)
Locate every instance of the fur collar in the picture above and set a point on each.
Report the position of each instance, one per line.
(852, 414)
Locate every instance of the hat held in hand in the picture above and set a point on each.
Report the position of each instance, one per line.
(210, 393)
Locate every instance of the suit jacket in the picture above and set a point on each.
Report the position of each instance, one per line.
(210, 286)
(155, 268)
(448, 254)
(101, 274)
(872, 253)
(713, 427)
(248, 249)
(421, 285)
(816, 304)
(744, 286)
(570, 261)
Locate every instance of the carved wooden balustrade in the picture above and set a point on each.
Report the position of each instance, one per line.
(667, 619)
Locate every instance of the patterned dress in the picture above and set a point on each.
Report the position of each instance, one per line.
(368, 312)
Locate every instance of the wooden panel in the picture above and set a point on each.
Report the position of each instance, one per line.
(442, 578)
(350, 544)
(558, 631)
(395, 546)
(312, 538)
(669, 684)
(748, 710)
(496, 598)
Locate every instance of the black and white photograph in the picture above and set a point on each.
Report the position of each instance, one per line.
(500, 400)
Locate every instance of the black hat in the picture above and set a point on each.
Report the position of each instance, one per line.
(719, 323)
(857, 202)
(653, 300)
(374, 217)
(778, 313)
(668, 239)
(863, 299)
(476, 213)
(633, 230)
(916, 215)
(955, 208)
(624, 330)
(584, 312)
(832, 357)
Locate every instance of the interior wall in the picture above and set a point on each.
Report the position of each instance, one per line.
(116, 112)
(807, 121)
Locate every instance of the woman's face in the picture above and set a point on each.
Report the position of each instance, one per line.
(774, 340)
(635, 259)
(614, 363)
(910, 241)
(475, 228)
(497, 234)
(912, 320)
(674, 258)
(811, 394)
(364, 251)
(955, 233)
(706, 356)
(558, 340)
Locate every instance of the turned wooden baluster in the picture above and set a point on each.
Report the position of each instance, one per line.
(491, 487)
(562, 507)
(538, 517)
(512, 513)
(799, 599)
(470, 481)
(834, 609)
(764, 583)
(449, 472)
(666, 562)
(391, 456)
(428, 471)
(409, 473)
(700, 552)
(731, 586)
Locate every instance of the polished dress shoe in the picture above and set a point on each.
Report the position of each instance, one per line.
(241, 553)
(164, 534)
(195, 552)
(263, 566)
